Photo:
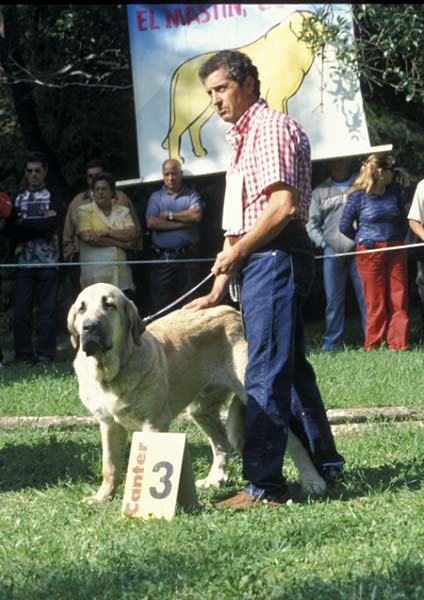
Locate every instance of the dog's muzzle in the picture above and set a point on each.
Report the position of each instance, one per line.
(92, 338)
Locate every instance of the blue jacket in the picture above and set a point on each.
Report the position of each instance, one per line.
(375, 217)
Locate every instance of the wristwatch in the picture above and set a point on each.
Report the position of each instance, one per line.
(170, 215)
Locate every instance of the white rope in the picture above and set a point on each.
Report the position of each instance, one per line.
(179, 261)
(370, 251)
(103, 263)
(177, 301)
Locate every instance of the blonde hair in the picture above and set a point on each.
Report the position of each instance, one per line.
(368, 175)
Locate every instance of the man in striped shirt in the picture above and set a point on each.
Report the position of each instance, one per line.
(266, 207)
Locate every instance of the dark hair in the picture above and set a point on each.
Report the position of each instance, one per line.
(237, 64)
(95, 162)
(104, 177)
(37, 157)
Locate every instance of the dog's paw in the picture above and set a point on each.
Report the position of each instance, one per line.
(212, 481)
(96, 499)
(316, 487)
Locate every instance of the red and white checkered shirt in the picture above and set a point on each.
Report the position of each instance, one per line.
(269, 147)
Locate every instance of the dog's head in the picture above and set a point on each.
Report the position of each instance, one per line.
(102, 318)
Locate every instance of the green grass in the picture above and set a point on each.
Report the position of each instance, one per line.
(363, 541)
(347, 379)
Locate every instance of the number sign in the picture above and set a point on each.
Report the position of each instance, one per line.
(159, 475)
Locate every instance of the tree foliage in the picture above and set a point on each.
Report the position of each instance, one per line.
(68, 74)
(387, 49)
(384, 52)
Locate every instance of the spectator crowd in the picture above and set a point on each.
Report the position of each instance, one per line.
(355, 210)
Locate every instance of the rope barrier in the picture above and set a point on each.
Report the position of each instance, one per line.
(150, 318)
(189, 260)
(102, 263)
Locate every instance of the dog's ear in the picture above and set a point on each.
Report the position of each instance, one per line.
(137, 326)
(71, 326)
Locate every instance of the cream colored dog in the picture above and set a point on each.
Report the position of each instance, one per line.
(134, 378)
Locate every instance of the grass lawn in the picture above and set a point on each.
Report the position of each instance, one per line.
(363, 541)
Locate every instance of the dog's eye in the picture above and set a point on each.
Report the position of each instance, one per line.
(108, 303)
(82, 307)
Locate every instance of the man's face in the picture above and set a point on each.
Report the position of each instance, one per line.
(35, 175)
(172, 176)
(91, 173)
(229, 98)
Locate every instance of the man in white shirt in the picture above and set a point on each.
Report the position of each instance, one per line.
(416, 223)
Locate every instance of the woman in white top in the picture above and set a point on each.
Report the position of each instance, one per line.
(106, 230)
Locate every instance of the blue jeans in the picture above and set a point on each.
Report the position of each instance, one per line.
(336, 272)
(280, 383)
(37, 285)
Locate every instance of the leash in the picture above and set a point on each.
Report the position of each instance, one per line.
(150, 318)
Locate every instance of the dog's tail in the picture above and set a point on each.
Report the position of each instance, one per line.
(235, 423)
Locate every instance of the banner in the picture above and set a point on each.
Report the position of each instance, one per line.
(169, 42)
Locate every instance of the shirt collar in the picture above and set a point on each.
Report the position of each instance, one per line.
(240, 129)
(165, 191)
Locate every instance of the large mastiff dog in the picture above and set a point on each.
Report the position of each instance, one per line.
(134, 378)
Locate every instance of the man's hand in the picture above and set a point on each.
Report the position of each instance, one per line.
(214, 297)
(228, 261)
(200, 303)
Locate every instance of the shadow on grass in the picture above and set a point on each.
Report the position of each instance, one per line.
(47, 461)
(371, 480)
(24, 373)
(169, 575)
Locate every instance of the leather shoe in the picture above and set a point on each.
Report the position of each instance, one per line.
(243, 500)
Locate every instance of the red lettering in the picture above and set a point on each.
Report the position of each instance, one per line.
(138, 470)
(131, 511)
(135, 496)
(215, 11)
(204, 12)
(140, 19)
(142, 447)
(236, 8)
(138, 480)
(176, 18)
(191, 15)
(141, 458)
(152, 24)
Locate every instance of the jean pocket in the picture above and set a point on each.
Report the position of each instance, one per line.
(303, 270)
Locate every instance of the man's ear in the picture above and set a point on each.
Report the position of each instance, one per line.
(249, 84)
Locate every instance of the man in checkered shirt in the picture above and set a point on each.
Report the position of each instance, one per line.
(266, 207)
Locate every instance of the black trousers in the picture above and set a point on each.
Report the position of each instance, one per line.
(170, 281)
(35, 286)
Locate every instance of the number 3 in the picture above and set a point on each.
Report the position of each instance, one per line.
(165, 480)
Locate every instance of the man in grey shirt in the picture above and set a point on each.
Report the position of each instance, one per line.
(328, 201)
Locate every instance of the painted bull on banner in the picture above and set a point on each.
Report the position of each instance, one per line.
(282, 60)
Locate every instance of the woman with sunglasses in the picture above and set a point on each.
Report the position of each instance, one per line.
(374, 217)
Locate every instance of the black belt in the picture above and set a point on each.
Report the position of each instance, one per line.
(281, 241)
(181, 251)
